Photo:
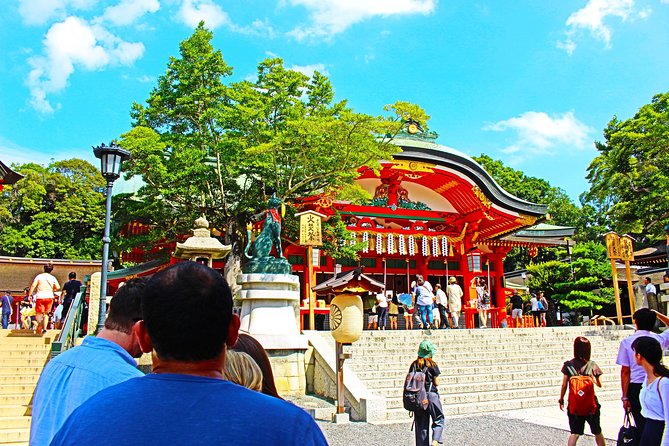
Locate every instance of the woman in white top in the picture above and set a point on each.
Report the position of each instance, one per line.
(483, 303)
(654, 394)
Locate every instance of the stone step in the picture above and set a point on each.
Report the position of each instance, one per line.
(23, 362)
(15, 399)
(381, 369)
(21, 379)
(8, 389)
(7, 370)
(448, 387)
(399, 414)
(16, 422)
(519, 394)
(25, 354)
(14, 410)
(448, 360)
(14, 436)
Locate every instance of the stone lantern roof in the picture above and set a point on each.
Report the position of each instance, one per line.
(201, 244)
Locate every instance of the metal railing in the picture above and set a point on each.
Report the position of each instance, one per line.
(71, 326)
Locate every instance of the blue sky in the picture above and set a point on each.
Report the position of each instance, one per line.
(532, 83)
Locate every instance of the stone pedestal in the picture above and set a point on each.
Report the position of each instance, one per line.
(270, 313)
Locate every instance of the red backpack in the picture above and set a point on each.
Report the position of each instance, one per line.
(582, 399)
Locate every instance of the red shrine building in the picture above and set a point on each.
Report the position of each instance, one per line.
(435, 212)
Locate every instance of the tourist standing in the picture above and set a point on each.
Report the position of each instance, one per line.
(426, 364)
(382, 309)
(483, 303)
(581, 365)
(393, 313)
(536, 317)
(654, 394)
(632, 375)
(517, 309)
(70, 290)
(542, 303)
(424, 301)
(442, 306)
(240, 368)
(44, 286)
(455, 293)
(186, 400)
(651, 294)
(6, 302)
(99, 362)
(250, 345)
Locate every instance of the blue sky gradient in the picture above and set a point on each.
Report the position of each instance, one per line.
(532, 83)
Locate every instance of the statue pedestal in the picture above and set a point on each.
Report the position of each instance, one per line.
(270, 313)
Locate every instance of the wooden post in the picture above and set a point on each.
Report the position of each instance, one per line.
(630, 289)
(310, 269)
(339, 352)
(616, 291)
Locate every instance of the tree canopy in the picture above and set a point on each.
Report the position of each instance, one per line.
(629, 179)
(204, 146)
(53, 212)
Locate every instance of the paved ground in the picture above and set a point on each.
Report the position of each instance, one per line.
(546, 426)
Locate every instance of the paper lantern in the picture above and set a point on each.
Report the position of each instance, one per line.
(346, 318)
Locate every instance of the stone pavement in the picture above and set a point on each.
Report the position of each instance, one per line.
(611, 417)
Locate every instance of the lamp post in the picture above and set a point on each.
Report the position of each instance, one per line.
(111, 159)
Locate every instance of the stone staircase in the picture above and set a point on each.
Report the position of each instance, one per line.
(22, 357)
(484, 370)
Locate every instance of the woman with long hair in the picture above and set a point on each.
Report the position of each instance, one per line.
(581, 365)
(483, 303)
(249, 345)
(654, 396)
(425, 363)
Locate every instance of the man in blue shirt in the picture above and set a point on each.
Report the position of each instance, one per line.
(188, 324)
(99, 362)
(6, 302)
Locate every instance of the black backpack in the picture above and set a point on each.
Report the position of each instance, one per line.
(414, 395)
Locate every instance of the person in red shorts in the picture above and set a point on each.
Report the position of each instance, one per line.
(44, 285)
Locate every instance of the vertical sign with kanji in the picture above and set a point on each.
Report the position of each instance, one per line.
(310, 229)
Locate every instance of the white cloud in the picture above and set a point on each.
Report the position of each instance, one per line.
(194, 11)
(74, 43)
(308, 70)
(538, 133)
(126, 12)
(39, 12)
(595, 19)
(330, 17)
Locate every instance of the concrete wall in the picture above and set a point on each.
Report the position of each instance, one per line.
(16, 273)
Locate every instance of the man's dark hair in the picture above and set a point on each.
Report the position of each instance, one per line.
(187, 309)
(72, 275)
(126, 306)
(48, 267)
(646, 279)
(645, 319)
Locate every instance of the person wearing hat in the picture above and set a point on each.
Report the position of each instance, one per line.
(454, 293)
(426, 364)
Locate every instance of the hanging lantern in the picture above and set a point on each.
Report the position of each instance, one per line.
(435, 246)
(391, 244)
(425, 246)
(365, 240)
(533, 251)
(354, 239)
(444, 246)
(412, 246)
(474, 262)
(346, 318)
(402, 245)
(379, 243)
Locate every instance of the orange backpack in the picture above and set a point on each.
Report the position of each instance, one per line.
(582, 399)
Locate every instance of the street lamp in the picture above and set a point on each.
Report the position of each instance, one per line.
(111, 159)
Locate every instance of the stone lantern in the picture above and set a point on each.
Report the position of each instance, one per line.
(201, 245)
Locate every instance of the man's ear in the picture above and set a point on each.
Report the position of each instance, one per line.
(233, 331)
(139, 329)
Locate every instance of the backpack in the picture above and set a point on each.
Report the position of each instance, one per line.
(540, 305)
(582, 401)
(414, 395)
(486, 298)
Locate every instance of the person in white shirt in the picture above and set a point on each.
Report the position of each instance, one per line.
(654, 396)
(455, 293)
(633, 375)
(442, 307)
(651, 294)
(382, 309)
(43, 287)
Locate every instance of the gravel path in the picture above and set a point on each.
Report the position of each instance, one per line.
(485, 430)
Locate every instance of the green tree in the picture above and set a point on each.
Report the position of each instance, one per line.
(53, 212)
(590, 287)
(202, 146)
(629, 179)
